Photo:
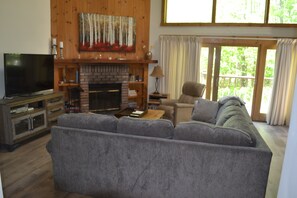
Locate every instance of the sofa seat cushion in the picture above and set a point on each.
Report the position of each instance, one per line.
(89, 121)
(205, 111)
(153, 128)
(208, 133)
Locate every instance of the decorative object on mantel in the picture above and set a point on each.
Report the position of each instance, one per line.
(106, 33)
(61, 50)
(157, 73)
(147, 53)
(54, 47)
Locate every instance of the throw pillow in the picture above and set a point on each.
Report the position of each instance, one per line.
(153, 128)
(89, 121)
(205, 110)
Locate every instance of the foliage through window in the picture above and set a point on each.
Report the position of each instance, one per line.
(241, 11)
(257, 12)
(283, 11)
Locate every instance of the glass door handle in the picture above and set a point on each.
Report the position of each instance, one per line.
(31, 125)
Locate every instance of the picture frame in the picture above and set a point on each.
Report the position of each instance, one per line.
(106, 33)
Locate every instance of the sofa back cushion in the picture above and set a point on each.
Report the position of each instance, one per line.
(225, 99)
(223, 107)
(208, 133)
(227, 113)
(241, 123)
(89, 121)
(153, 128)
(205, 111)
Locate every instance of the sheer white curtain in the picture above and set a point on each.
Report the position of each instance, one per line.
(179, 59)
(284, 82)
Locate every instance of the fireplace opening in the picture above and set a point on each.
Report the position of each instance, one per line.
(104, 98)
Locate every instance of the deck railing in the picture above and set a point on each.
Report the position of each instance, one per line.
(243, 87)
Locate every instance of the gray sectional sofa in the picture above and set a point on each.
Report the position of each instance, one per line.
(211, 156)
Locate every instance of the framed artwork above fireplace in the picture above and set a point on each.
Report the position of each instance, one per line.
(106, 33)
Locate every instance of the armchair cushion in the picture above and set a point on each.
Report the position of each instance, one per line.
(193, 89)
(184, 105)
(205, 111)
(187, 99)
(169, 102)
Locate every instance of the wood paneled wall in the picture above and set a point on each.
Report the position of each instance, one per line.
(65, 24)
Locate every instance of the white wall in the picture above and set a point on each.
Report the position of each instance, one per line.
(156, 30)
(1, 189)
(288, 182)
(24, 28)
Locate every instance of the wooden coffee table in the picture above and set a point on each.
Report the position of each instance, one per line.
(153, 114)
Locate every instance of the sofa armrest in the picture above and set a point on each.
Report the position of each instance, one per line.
(168, 102)
(49, 147)
(182, 112)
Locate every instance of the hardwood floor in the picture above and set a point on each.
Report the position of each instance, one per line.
(27, 171)
(276, 139)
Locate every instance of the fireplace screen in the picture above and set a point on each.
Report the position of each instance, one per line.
(105, 97)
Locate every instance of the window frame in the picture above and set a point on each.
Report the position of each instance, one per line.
(213, 23)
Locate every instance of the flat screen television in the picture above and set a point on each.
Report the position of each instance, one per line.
(28, 74)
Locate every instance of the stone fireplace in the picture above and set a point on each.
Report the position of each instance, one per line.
(100, 81)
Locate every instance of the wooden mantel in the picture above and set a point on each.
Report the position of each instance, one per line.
(98, 61)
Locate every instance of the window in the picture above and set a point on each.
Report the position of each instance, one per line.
(241, 11)
(283, 11)
(192, 11)
(230, 12)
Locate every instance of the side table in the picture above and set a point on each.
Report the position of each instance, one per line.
(155, 100)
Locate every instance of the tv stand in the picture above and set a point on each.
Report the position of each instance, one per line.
(24, 118)
(29, 95)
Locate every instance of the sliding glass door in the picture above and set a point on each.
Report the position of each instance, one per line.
(244, 69)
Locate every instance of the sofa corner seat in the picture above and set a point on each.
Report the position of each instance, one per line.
(103, 163)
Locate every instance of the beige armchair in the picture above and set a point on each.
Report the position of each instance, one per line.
(180, 110)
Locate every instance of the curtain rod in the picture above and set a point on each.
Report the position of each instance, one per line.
(232, 37)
